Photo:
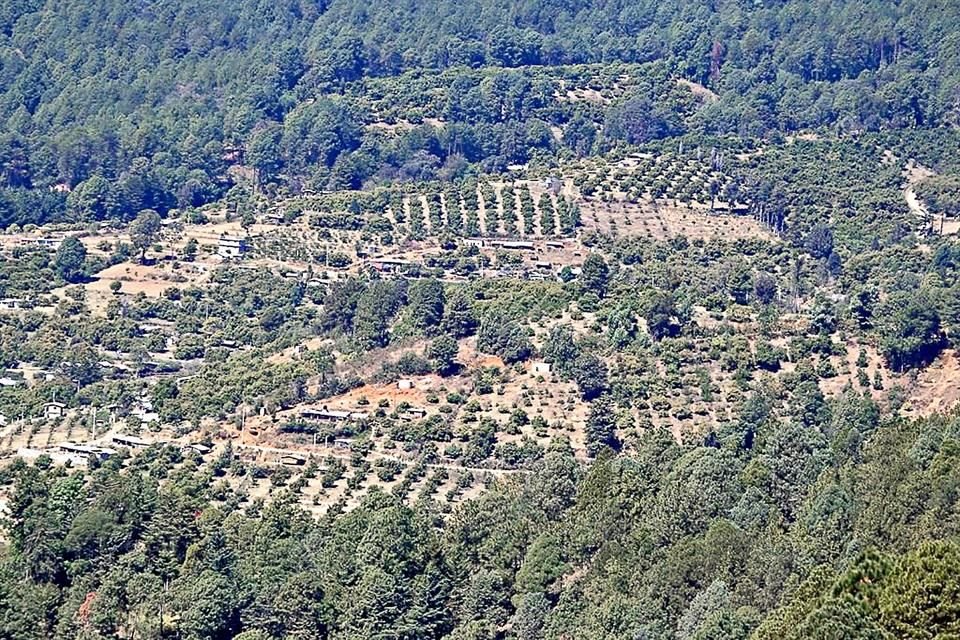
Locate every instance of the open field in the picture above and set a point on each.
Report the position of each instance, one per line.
(662, 220)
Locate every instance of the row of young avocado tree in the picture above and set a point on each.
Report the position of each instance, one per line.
(696, 178)
(471, 208)
(476, 209)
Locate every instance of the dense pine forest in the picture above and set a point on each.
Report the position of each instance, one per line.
(150, 104)
(845, 529)
(726, 410)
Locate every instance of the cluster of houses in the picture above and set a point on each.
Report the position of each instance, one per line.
(513, 245)
(79, 454)
(343, 417)
(137, 443)
(51, 241)
(328, 416)
(231, 247)
(541, 270)
(143, 410)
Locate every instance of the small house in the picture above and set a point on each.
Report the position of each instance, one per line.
(473, 242)
(540, 368)
(555, 244)
(132, 442)
(48, 242)
(10, 304)
(86, 450)
(113, 369)
(390, 265)
(553, 185)
(414, 413)
(734, 208)
(199, 449)
(516, 245)
(52, 410)
(156, 327)
(145, 414)
(342, 443)
(231, 246)
(405, 385)
(324, 415)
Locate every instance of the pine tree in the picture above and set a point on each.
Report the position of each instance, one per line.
(426, 304)
(459, 320)
(601, 429)
(595, 275)
(70, 259)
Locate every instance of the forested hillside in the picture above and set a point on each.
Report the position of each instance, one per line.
(848, 531)
(149, 104)
(480, 320)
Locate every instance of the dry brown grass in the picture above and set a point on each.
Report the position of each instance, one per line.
(662, 220)
(937, 388)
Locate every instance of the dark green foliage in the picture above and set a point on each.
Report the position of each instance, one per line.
(144, 231)
(637, 121)
(595, 275)
(443, 354)
(819, 241)
(590, 373)
(661, 316)
(376, 307)
(790, 510)
(601, 426)
(426, 304)
(910, 332)
(941, 194)
(769, 357)
(691, 527)
(560, 349)
(459, 320)
(905, 596)
(503, 337)
(115, 123)
(70, 258)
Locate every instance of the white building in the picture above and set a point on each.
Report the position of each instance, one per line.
(540, 368)
(10, 304)
(231, 246)
(54, 410)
